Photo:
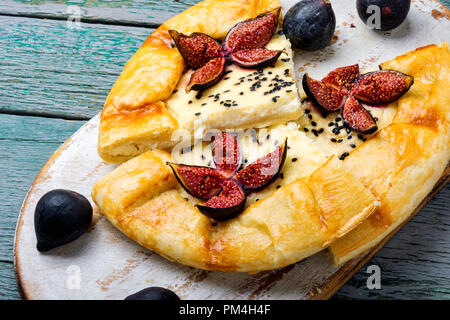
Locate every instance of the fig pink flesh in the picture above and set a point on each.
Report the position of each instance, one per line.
(323, 94)
(226, 153)
(342, 78)
(358, 118)
(230, 196)
(382, 87)
(262, 171)
(254, 33)
(207, 75)
(196, 49)
(255, 58)
(200, 182)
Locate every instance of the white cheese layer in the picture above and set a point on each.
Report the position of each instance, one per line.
(243, 98)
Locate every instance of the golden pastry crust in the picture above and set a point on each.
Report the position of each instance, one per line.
(298, 220)
(151, 75)
(404, 161)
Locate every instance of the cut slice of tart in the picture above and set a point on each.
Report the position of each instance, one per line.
(148, 103)
(403, 159)
(243, 98)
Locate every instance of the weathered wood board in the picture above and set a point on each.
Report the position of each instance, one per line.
(112, 266)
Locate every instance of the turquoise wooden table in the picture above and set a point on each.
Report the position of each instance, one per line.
(55, 77)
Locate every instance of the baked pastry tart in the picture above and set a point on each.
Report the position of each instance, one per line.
(287, 172)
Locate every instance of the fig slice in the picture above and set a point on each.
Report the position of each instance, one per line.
(226, 153)
(207, 75)
(263, 171)
(323, 95)
(255, 58)
(227, 204)
(200, 182)
(253, 33)
(358, 118)
(197, 49)
(343, 77)
(382, 87)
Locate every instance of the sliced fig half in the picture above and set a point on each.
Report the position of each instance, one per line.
(382, 87)
(358, 118)
(323, 95)
(253, 33)
(200, 182)
(226, 153)
(227, 204)
(197, 49)
(255, 58)
(207, 75)
(263, 171)
(343, 77)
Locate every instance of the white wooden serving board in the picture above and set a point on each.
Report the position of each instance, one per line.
(108, 265)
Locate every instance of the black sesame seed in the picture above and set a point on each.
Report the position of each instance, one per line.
(340, 140)
(198, 113)
(344, 155)
(349, 137)
(294, 159)
(352, 145)
(331, 124)
(320, 130)
(241, 93)
(307, 111)
(278, 187)
(310, 117)
(281, 175)
(313, 123)
(333, 140)
(190, 101)
(305, 129)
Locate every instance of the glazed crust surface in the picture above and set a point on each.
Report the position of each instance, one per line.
(299, 219)
(135, 118)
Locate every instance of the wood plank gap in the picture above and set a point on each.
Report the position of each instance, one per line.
(125, 23)
(55, 115)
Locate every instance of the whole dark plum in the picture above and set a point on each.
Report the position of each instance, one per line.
(153, 293)
(61, 216)
(310, 24)
(392, 13)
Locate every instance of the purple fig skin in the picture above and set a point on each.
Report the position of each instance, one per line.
(217, 207)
